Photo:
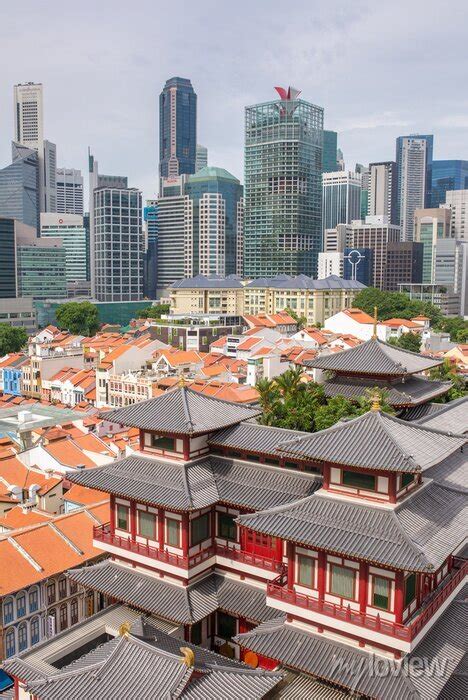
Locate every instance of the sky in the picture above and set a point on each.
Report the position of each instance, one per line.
(379, 69)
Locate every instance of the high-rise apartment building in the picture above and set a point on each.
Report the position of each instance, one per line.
(341, 200)
(382, 191)
(283, 168)
(330, 147)
(41, 265)
(19, 187)
(70, 229)
(69, 191)
(414, 169)
(8, 285)
(177, 128)
(29, 132)
(430, 226)
(447, 175)
(201, 160)
(375, 233)
(457, 200)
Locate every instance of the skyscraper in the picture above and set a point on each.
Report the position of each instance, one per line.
(382, 198)
(175, 246)
(8, 286)
(414, 166)
(457, 200)
(41, 265)
(19, 187)
(177, 128)
(329, 161)
(283, 168)
(341, 202)
(70, 229)
(150, 218)
(202, 157)
(69, 191)
(375, 233)
(430, 226)
(447, 175)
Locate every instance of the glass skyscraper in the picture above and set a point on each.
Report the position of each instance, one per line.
(150, 217)
(330, 146)
(19, 187)
(283, 169)
(7, 258)
(341, 202)
(414, 173)
(177, 128)
(447, 175)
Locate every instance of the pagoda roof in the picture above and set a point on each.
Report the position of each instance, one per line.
(376, 440)
(253, 437)
(413, 391)
(194, 485)
(418, 535)
(374, 357)
(181, 411)
(451, 416)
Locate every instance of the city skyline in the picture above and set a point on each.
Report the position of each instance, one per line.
(316, 50)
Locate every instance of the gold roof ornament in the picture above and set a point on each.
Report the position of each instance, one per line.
(376, 402)
(124, 629)
(374, 332)
(182, 382)
(188, 657)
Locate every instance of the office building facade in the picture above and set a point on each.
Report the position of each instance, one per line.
(358, 265)
(283, 168)
(8, 285)
(457, 200)
(118, 244)
(447, 175)
(150, 219)
(69, 191)
(201, 160)
(330, 147)
(70, 229)
(330, 263)
(41, 266)
(414, 170)
(430, 226)
(404, 264)
(375, 233)
(341, 201)
(175, 236)
(177, 128)
(336, 239)
(382, 191)
(19, 187)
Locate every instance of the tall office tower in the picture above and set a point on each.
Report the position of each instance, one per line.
(283, 168)
(216, 195)
(458, 202)
(375, 233)
(69, 191)
(240, 238)
(175, 239)
(450, 268)
(19, 187)
(404, 264)
(382, 198)
(177, 128)
(340, 159)
(329, 160)
(118, 244)
(201, 160)
(150, 219)
(8, 284)
(447, 175)
(414, 170)
(97, 180)
(341, 198)
(431, 225)
(70, 229)
(29, 132)
(41, 266)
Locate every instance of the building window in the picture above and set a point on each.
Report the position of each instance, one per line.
(406, 479)
(34, 630)
(359, 480)
(305, 571)
(62, 588)
(74, 611)
(63, 617)
(196, 633)
(123, 517)
(8, 613)
(410, 589)
(227, 528)
(342, 581)
(146, 524)
(200, 529)
(381, 593)
(227, 625)
(51, 593)
(33, 600)
(73, 587)
(163, 443)
(21, 605)
(173, 532)
(22, 637)
(10, 645)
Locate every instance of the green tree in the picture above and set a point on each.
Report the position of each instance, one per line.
(269, 397)
(456, 326)
(155, 311)
(407, 341)
(300, 320)
(11, 339)
(81, 318)
(394, 305)
(447, 371)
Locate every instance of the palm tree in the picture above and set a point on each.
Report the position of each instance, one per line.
(290, 382)
(270, 401)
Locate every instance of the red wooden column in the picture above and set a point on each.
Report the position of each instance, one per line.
(133, 524)
(185, 534)
(291, 555)
(326, 476)
(321, 574)
(142, 440)
(112, 514)
(186, 441)
(399, 596)
(363, 585)
(161, 528)
(392, 488)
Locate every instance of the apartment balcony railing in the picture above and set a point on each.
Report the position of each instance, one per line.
(277, 589)
(248, 558)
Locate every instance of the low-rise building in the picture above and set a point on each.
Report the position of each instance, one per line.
(358, 323)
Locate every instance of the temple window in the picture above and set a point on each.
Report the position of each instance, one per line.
(406, 479)
(146, 524)
(196, 633)
(173, 532)
(305, 570)
(227, 528)
(163, 443)
(200, 529)
(342, 581)
(123, 517)
(359, 480)
(227, 625)
(410, 589)
(381, 592)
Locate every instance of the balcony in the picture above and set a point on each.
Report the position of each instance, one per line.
(102, 533)
(408, 632)
(248, 558)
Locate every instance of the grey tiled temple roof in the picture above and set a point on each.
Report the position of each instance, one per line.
(376, 440)
(450, 417)
(301, 687)
(183, 605)
(195, 485)
(254, 437)
(374, 357)
(418, 535)
(411, 392)
(181, 411)
(452, 472)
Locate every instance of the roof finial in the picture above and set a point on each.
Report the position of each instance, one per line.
(188, 657)
(374, 333)
(124, 629)
(376, 402)
(181, 383)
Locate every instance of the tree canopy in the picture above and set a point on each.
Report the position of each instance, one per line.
(395, 305)
(456, 326)
(11, 339)
(155, 311)
(447, 371)
(81, 318)
(407, 341)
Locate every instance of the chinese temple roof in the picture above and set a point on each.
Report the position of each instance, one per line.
(413, 391)
(254, 437)
(451, 416)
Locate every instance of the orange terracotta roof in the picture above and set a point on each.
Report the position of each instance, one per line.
(421, 318)
(13, 357)
(220, 342)
(92, 443)
(395, 322)
(83, 496)
(14, 473)
(358, 315)
(17, 517)
(68, 453)
(265, 350)
(249, 343)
